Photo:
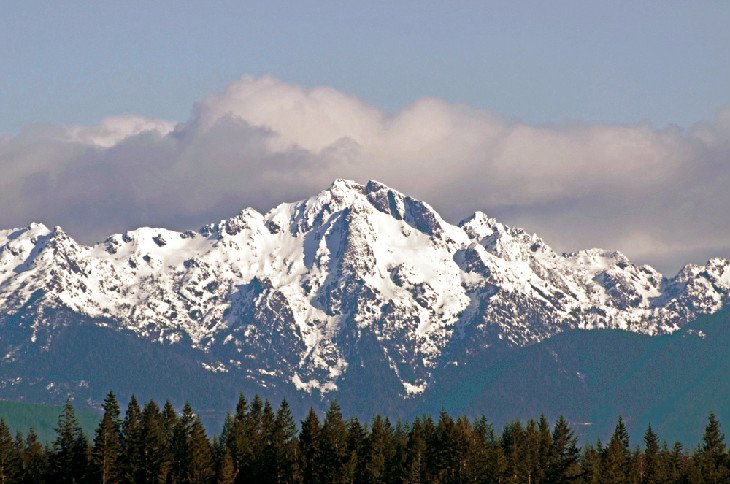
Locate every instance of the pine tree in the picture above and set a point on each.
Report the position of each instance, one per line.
(131, 445)
(545, 446)
(153, 463)
(464, 444)
(376, 454)
(193, 459)
(265, 449)
(617, 458)
(333, 445)
(35, 460)
(591, 463)
(201, 460)
(284, 446)
(653, 470)
(531, 451)
(309, 448)
(513, 442)
(69, 459)
(168, 422)
(444, 462)
(712, 455)
(415, 454)
(396, 467)
(248, 440)
(563, 465)
(226, 470)
(9, 457)
(675, 463)
(356, 448)
(108, 443)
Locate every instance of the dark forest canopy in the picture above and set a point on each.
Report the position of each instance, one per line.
(260, 443)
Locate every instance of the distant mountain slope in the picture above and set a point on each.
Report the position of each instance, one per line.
(591, 377)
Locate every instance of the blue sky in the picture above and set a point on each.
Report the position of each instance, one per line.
(618, 62)
(593, 124)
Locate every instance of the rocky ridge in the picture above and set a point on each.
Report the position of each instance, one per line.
(289, 297)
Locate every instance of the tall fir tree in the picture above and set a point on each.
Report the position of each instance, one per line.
(333, 445)
(131, 442)
(265, 451)
(616, 461)
(653, 468)
(564, 464)
(376, 455)
(153, 457)
(226, 472)
(193, 458)
(69, 459)
(35, 459)
(713, 460)
(107, 450)
(10, 463)
(284, 446)
(356, 449)
(416, 454)
(309, 449)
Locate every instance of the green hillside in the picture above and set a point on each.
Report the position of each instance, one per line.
(43, 418)
(591, 377)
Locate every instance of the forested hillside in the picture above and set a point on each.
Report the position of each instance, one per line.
(260, 443)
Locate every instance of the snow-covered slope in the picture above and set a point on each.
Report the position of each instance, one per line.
(290, 295)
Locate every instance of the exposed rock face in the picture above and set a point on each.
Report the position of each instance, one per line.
(289, 297)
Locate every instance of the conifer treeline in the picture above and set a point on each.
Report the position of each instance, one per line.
(259, 444)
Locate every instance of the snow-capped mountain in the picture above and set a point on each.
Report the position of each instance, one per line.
(355, 275)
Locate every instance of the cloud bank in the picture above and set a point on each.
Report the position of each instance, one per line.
(660, 196)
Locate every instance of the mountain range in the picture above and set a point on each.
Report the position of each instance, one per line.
(359, 293)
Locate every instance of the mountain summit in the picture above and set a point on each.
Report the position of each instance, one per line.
(353, 277)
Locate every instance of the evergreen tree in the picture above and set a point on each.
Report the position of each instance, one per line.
(531, 451)
(248, 439)
(443, 459)
(168, 422)
(653, 468)
(712, 458)
(69, 459)
(265, 449)
(377, 448)
(236, 438)
(396, 466)
(463, 444)
(153, 463)
(284, 446)
(513, 443)
(591, 463)
(563, 466)
(9, 458)
(309, 448)
(675, 463)
(226, 473)
(107, 448)
(416, 454)
(356, 449)
(333, 445)
(131, 442)
(617, 456)
(545, 446)
(193, 459)
(35, 460)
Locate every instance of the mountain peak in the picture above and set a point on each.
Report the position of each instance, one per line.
(352, 271)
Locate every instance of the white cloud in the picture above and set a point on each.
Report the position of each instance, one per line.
(659, 195)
